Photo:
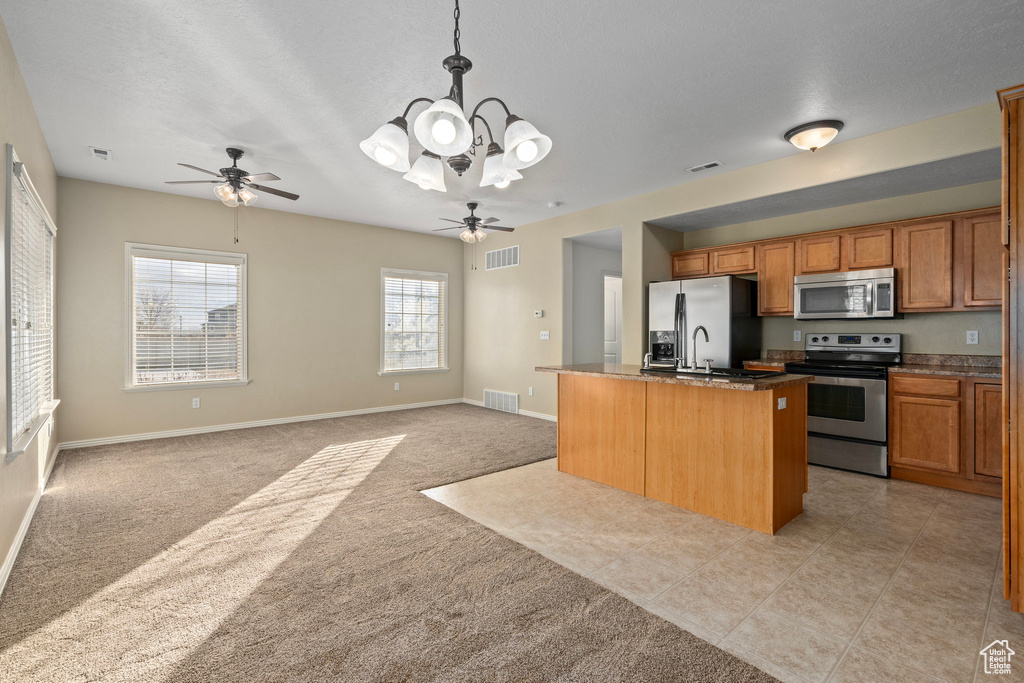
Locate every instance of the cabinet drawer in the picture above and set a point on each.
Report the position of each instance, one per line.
(689, 264)
(739, 260)
(926, 385)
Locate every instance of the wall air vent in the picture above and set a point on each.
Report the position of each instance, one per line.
(501, 400)
(101, 154)
(502, 258)
(704, 167)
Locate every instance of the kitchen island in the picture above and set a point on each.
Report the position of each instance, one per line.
(734, 449)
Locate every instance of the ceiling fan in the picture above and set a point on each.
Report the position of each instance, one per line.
(235, 183)
(474, 226)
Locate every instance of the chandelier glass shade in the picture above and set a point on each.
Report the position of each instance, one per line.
(427, 172)
(444, 130)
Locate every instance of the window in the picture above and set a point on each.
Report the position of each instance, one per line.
(186, 317)
(415, 337)
(30, 235)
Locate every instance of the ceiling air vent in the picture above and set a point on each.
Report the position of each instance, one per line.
(101, 154)
(704, 167)
(502, 258)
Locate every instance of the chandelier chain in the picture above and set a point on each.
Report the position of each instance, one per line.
(458, 13)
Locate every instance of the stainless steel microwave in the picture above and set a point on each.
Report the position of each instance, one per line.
(853, 294)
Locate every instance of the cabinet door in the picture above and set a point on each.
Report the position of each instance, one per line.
(689, 264)
(733, 260)
(925, 433)
(817, 254)
(926, 266)
(775, 278)
(868, 249)
(988, 434)
(983, 261)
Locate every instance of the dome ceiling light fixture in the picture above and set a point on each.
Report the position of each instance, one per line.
(813, 135)
(445, 131)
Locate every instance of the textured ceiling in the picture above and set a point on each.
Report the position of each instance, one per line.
(632, 94)
(937, 175)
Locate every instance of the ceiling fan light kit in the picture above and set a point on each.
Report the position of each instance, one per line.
(444, 130)
(814, 135)
(474, 225)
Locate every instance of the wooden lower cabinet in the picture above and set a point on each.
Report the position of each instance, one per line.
(946, 431)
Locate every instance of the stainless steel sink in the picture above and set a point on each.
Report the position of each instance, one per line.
(717, 373)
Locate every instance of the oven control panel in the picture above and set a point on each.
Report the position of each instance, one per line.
(888, 342)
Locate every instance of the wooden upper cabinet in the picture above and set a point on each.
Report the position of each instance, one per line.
(925, 262)
(817, 254)
(983, 260)
(733, 260)
(776, 266)
(690, 264)
(864, 249)
(988, 434)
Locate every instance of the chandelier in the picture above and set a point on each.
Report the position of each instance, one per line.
(445, 132)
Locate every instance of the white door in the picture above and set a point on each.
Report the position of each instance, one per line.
(612, 319)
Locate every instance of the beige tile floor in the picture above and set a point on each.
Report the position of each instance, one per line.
(878, 580)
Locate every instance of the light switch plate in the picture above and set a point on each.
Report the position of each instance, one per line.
(972, 336)
(797, 336)
(782, 403)
(545, 335)
(396, 386)
(195, 403)
(538, 314)
(531, 391)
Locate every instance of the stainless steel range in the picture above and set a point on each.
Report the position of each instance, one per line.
(847, 413)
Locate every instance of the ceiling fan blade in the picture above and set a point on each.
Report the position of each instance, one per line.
(201, 170)
(188, 182)
(270, 190)
(260, 178)
(492, 219)
(453, 227)
(498, 227)
(452, 221)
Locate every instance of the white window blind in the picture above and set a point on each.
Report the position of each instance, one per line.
(30, 299)
(415, 333)
(187, 318)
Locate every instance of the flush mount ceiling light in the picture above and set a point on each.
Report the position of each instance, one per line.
(814, 134)
(444, 130)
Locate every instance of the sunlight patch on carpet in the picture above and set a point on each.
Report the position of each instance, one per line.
(141, 626)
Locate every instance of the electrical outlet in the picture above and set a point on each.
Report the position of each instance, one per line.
(531, 391)
(797, 336)
(538, 314)
(396, 386)
(782, 403)
(545, 335)
(972, 336)
(195, 403)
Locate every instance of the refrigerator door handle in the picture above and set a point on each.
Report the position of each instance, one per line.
(680, 331)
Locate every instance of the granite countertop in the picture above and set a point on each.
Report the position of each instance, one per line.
(987, 367)
(634, 373)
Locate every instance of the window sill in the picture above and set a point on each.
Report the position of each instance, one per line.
(427, 371)
(187, 385)
(19, 446)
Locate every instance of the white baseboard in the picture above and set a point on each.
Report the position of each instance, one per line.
(527, 413)
(83, 443)
(12, 554)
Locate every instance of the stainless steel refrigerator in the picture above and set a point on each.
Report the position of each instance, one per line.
(727, 308)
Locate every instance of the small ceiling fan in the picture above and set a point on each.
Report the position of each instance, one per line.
(235, 183)
(474, 226)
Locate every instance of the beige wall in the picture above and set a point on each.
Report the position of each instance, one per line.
(314, 320)
(20, 480)
(503, 335)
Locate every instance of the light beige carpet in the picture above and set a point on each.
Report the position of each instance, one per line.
(305, 552)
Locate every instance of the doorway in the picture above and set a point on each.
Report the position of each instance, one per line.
(613, 319)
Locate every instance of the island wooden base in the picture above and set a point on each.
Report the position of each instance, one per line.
(733, 455)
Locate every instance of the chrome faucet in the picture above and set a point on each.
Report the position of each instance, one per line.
(693, 358)
(647, 361)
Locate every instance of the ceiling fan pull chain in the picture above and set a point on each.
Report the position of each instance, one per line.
(236, 225)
